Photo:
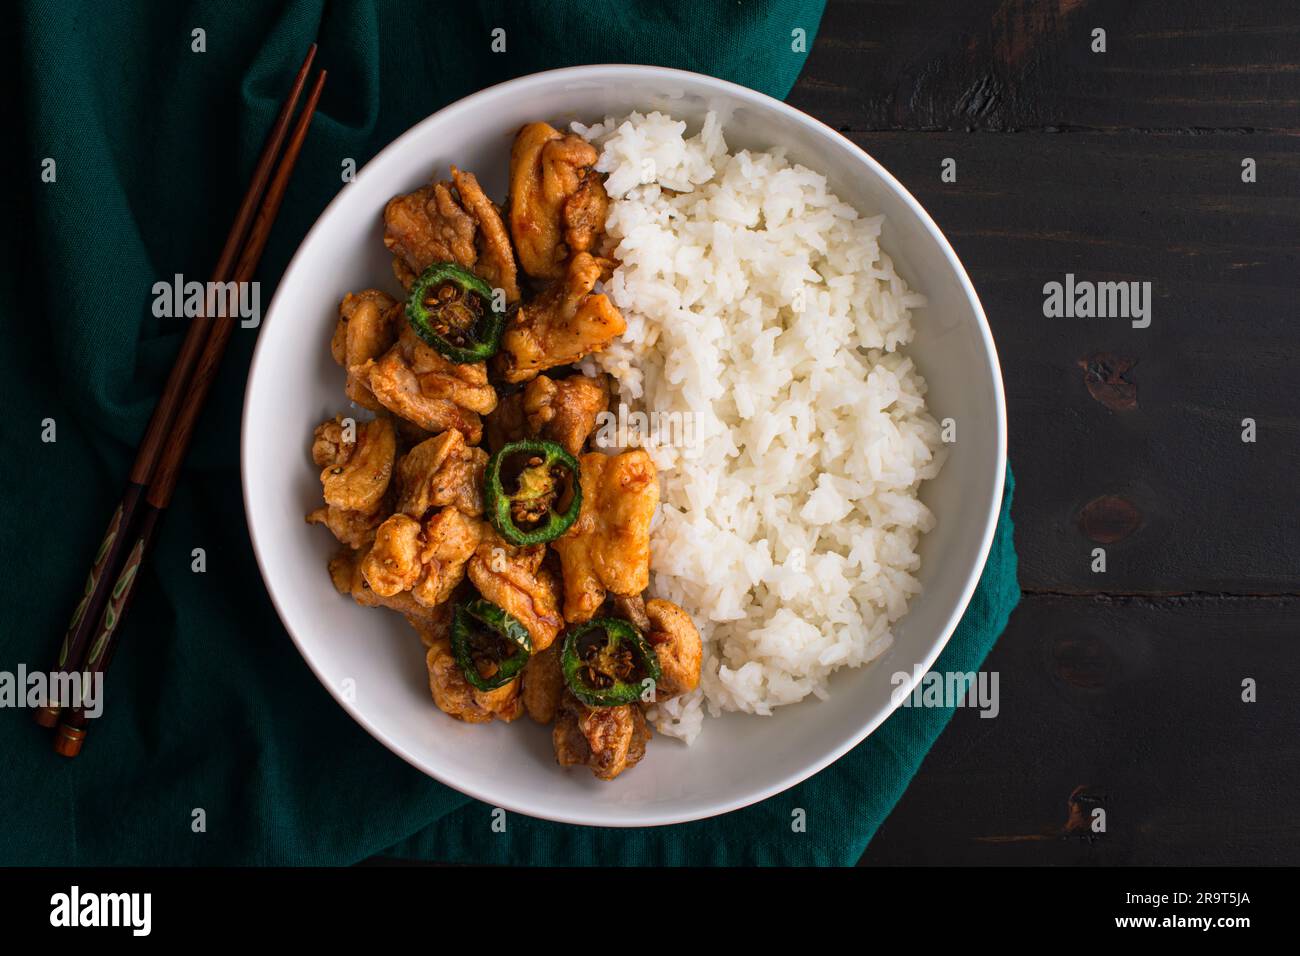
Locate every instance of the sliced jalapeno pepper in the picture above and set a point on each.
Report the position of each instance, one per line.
(533, 491)
(490, 645)
(606, 662)
(451, 309)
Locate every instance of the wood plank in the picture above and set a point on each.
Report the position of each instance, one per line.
(1213, 514)
(1133, 706)
(1028, 64)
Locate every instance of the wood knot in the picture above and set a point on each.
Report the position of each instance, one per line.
(1106, 376)
(1109, 518)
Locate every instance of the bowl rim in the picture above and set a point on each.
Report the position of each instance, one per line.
(649, 815)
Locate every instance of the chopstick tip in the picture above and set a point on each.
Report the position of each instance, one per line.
(306, 63)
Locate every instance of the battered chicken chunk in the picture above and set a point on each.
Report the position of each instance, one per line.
(428, 226)
(345, 573)
(608, 547)
(357, 467)
(565, 410)
(677, 644)
(543, 685)
(585, 213)
(355, 472)
(450, 538)
(561, 325)
(416, 383)
(632, 609)
(557, 201)
(450, 222)
(433, 624)
(455, 696)
(515, 580)
(368, 325)
(496, 261)
(439, 472)
(426, 559)
(609, 740)
(506, 423)
(356, 529)
(560, 410)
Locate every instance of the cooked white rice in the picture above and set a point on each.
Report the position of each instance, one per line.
(763, 306)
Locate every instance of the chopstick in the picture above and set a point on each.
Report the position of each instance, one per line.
(110, 553)
(95, 630)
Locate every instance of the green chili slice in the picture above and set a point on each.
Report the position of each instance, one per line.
(606, 662)
(534, 493)
(450, 308)
(490, 645)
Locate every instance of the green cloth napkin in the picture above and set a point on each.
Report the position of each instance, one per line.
(218, 745)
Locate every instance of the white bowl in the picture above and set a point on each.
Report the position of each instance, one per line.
(373, 662)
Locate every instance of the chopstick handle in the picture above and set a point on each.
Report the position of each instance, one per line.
(72, 729)
(98, 585)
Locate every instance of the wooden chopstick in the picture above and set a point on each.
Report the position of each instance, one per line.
(102, 639)
(111, 552)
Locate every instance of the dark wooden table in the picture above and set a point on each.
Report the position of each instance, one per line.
(1122, 689)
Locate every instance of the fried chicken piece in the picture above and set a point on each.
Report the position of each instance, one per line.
(416, 383)
(562, 410)
(368, 325)
(507, 422)
(393, 563)
(450, 539)
(631, 608)
(543, 685)
(565, 410)
(439, 472)
(677, 644)
(585, 213)
(451, 222)
(428, 226)
(456, 696)
(609, 740)
(434, 625)
(496, 262)
(426, 559)
(356, 529)
(343, 570)
(557, 202)
(330, 445)
(608, 547)
(345, 573)
(564, 323)
(355, 474)
(515, 580)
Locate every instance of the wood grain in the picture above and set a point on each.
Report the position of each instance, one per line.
(1131, 705)
(1182, 66)
(1216, 514)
